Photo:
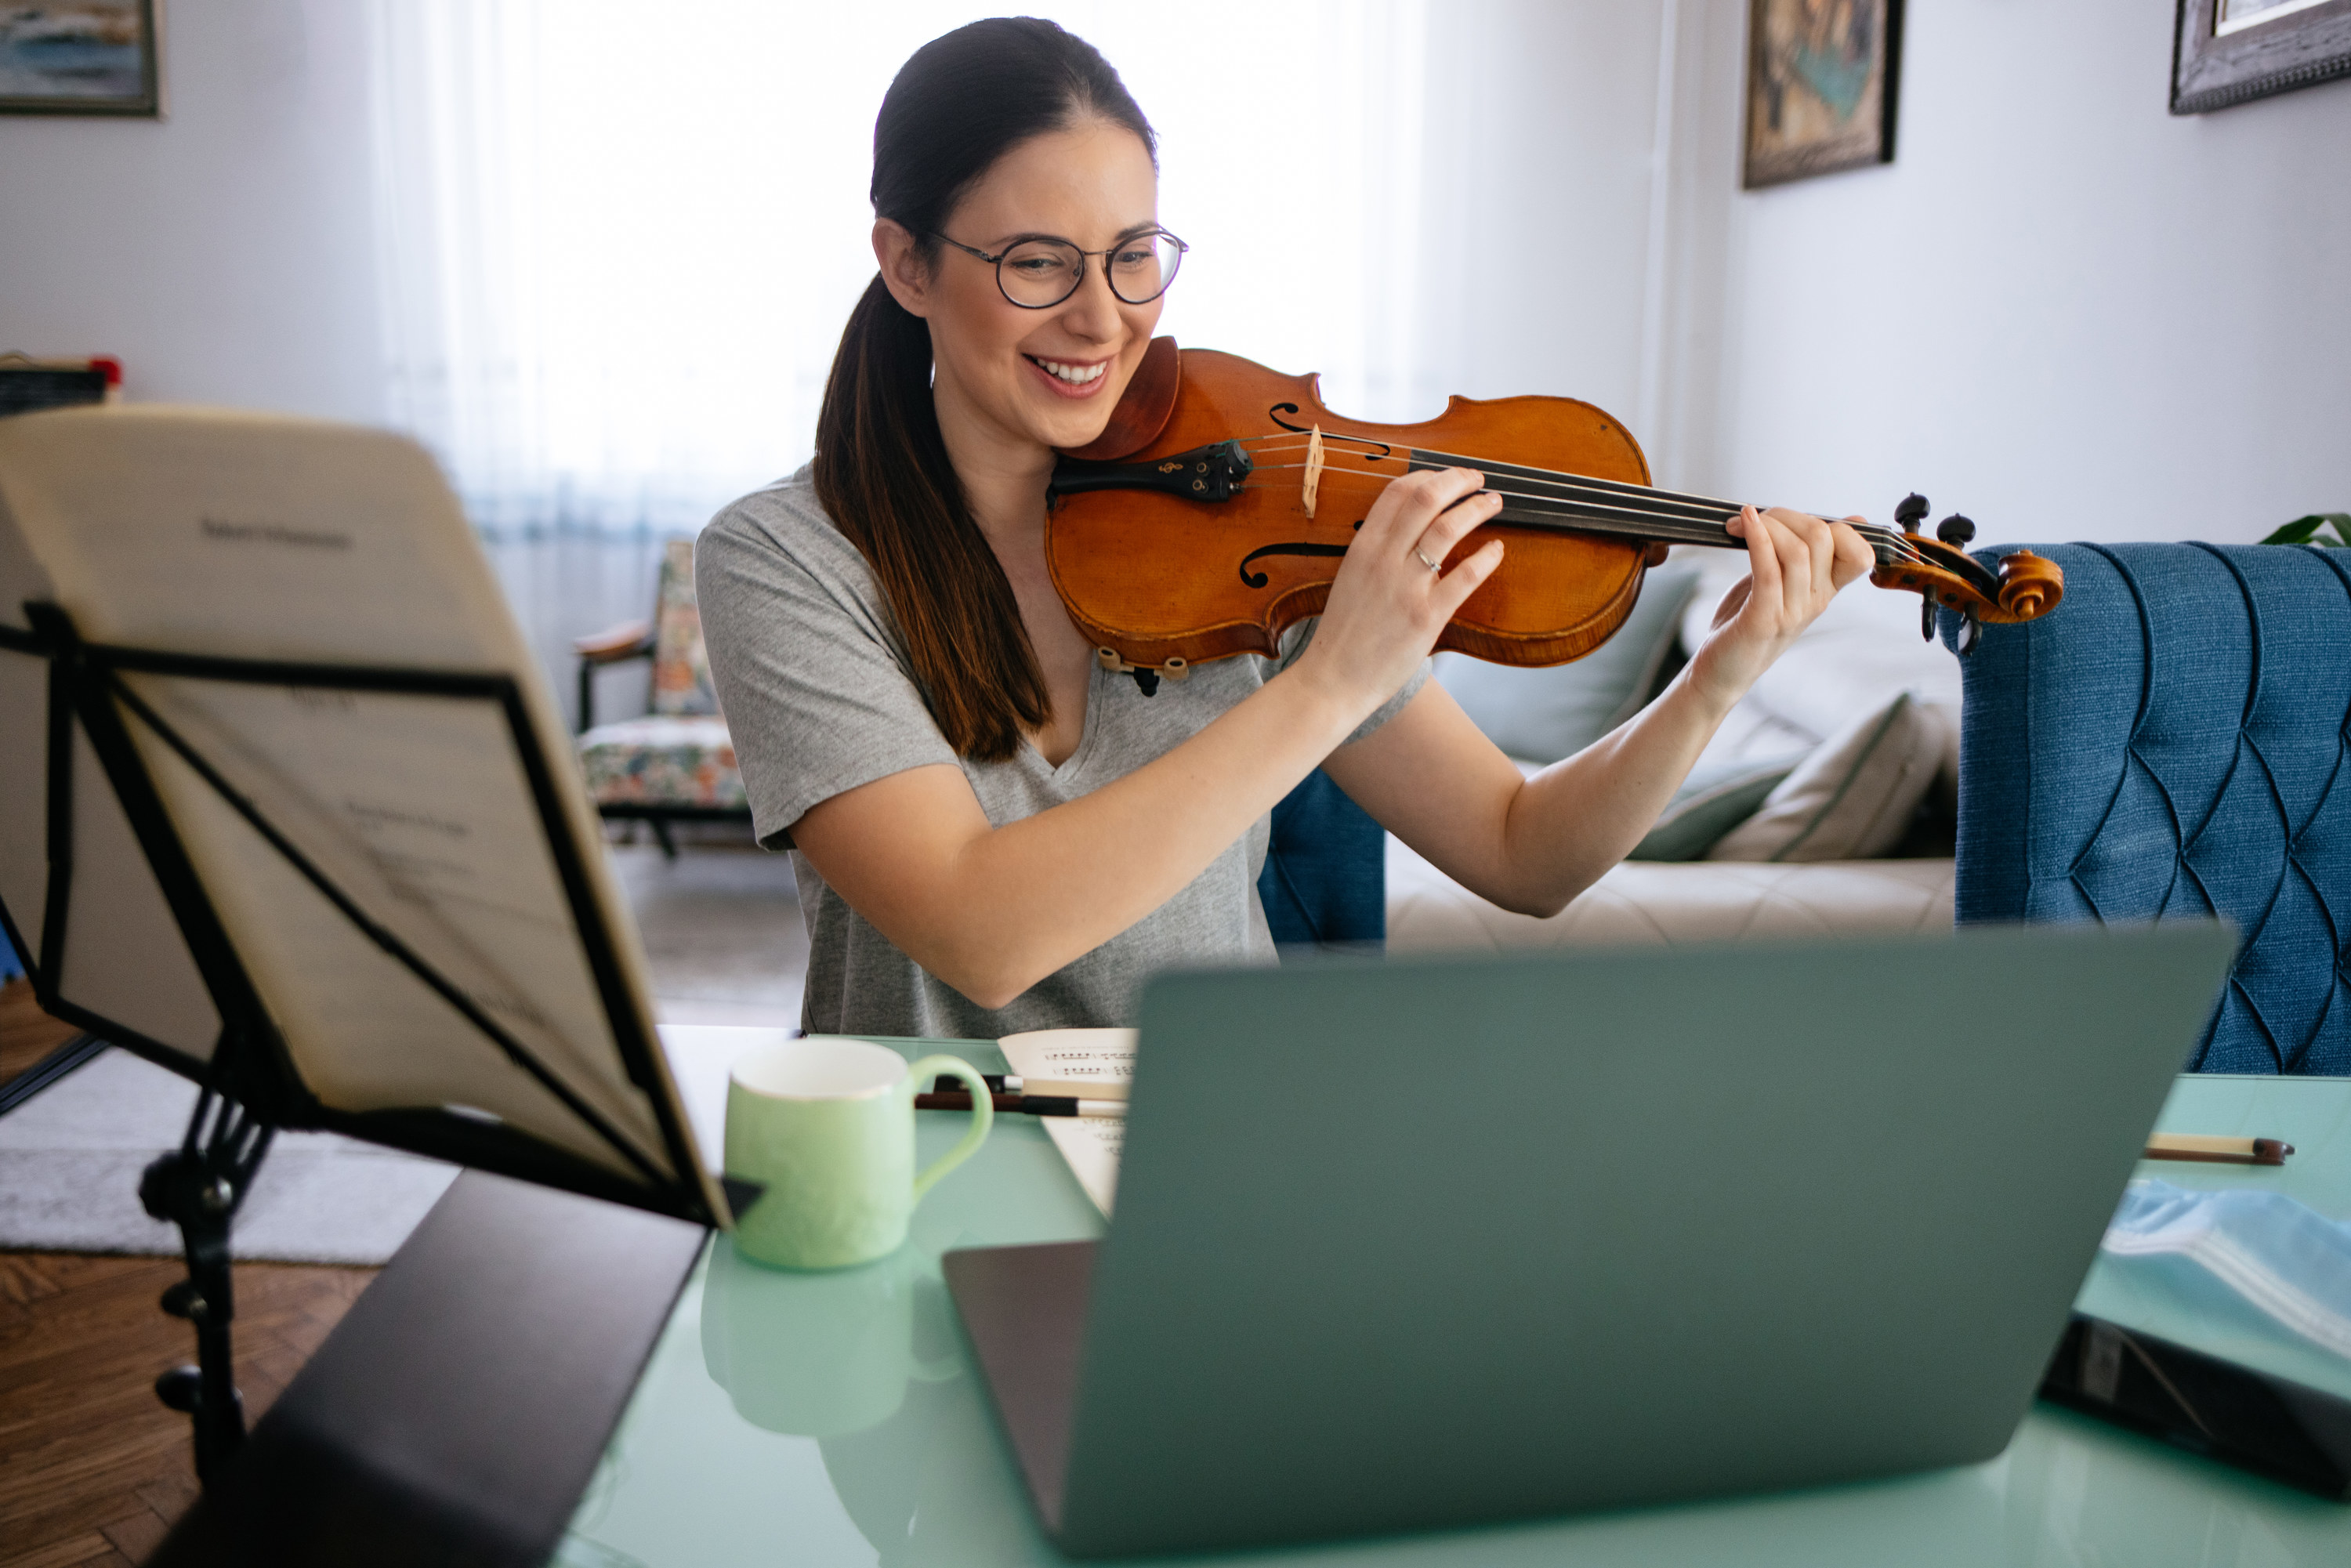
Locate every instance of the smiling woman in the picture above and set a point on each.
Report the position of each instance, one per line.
(993, 829)
(1063, 148)
(613, 278)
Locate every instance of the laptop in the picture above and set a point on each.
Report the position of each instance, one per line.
(1416, 1245)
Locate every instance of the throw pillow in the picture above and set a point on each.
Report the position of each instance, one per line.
(1853, 798)
(1549, 714)
(1715, 799)
(1863, 650)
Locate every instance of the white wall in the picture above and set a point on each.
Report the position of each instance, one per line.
(2060, 310)
(226, 253)
(1535, 200)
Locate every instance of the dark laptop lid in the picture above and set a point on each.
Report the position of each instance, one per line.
(1413, 1245)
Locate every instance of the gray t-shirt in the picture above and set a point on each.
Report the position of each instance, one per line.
(818, 698)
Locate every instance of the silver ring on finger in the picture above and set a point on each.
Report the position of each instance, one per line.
(1434, 570)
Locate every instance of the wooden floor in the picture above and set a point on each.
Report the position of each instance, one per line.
(27, 1033)
(93, 1468)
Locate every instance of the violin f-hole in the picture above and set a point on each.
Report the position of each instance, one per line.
(1301, 546)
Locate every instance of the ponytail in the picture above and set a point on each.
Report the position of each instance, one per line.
(959, 105)
(882, 473)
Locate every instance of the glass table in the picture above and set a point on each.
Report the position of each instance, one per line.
(836, 1419)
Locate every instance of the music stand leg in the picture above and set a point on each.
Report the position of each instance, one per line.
(199, 1187)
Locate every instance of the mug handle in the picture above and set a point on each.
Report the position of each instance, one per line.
(983, 1114)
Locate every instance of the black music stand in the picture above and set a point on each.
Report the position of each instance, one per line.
(100, 718)
(249, 1087)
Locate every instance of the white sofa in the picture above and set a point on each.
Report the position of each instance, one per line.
(1860, 654)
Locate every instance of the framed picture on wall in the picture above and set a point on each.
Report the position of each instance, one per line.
(2229, 51)
(1821, 78)
(78, 57)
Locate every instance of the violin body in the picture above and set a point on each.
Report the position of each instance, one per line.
(1212, 513)
(1158, 577)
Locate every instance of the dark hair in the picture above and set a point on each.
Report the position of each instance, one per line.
(959, 104)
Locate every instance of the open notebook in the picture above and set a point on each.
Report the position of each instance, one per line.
(411, 754)
(1090, 1145)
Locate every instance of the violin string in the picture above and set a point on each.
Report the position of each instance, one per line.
(1891, 539)
(1521, 471)
(1678, 526)
(1563, 486)
(1573, 487)
(1695, 506)
(1410, 455)
(1635, 521)
(1299, 438)
(1702, 505)
(1656, 524)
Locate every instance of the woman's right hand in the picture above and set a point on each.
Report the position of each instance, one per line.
(1387, 606)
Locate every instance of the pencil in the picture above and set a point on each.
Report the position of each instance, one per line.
(1012, 1083)
(2216, 1151)
(1025, 1104)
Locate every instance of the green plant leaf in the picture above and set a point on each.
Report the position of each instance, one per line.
(2306, 532)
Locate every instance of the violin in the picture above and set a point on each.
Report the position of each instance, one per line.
(1211, 513)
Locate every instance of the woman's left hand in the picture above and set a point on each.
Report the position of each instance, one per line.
(1796, 563)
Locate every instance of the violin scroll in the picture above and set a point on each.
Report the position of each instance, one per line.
(2025, 588)
(2030, 585)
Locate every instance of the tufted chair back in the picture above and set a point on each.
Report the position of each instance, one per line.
(2172, 742)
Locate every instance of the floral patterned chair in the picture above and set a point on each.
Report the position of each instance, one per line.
(675, 763)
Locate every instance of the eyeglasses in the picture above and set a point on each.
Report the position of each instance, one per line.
(1038, 274)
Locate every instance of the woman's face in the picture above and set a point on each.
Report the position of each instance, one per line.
(1046, 376)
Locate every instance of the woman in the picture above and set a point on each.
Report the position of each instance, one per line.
(992, 833)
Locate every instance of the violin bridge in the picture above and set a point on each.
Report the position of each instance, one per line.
(1313, 468)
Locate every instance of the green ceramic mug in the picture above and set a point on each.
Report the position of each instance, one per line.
(827, 1126)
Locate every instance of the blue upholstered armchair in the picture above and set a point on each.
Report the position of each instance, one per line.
(2171, 742)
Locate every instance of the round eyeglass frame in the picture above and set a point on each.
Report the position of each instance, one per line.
(996, 261)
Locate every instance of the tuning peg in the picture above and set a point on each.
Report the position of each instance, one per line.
(1911, 512)
(1956, 530)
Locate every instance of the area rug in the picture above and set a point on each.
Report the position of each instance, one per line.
(70, 1160)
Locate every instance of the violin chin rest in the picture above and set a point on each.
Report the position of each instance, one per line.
(1144, 409)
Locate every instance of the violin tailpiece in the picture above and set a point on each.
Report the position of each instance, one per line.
(1210, 473)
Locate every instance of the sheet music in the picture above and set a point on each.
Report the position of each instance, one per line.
(201, 532)
(23, 718)
(125, 960)
(1090, 1145)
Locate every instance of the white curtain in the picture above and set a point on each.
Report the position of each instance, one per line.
(620, 241)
